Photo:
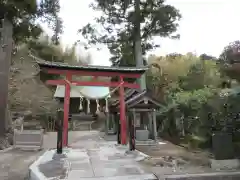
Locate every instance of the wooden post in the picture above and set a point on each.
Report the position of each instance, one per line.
(150, 124)
(134, 124)
(115, 122)
(129, 120)
(118, 129)
(107, 123)
(154, 125)
(59, 131)
(66, 110)
(132, 132)
(122, 114)
(6, 43)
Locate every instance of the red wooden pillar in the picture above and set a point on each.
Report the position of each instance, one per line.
(122, 114)
(66, 110)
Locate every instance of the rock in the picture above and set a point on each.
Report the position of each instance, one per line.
(7, 140)
(181, 162)
(4, 143)
(10, 138)
(168, 158)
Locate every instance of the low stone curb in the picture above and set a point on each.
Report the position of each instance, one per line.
(34, 173)
(6, 149)
(203, 176)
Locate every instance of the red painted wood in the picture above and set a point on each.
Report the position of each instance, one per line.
(56, 82)
(66, 110)
(122, 115)
(92, 73)
(93, 83)
(95, 78)
(67, 84)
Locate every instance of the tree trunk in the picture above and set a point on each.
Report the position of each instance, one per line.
(5, 61)
(137, 43)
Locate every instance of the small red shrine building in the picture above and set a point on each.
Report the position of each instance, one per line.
(68, 72)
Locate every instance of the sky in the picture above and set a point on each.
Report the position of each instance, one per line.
(206, 27)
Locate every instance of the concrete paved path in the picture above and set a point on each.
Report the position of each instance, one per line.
(14, 163)
(91, 157)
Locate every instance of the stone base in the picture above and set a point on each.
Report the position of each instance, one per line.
(142, 135)
(58, 156)
(230, 164)
(146, 142)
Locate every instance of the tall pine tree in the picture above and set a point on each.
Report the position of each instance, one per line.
(125, 24)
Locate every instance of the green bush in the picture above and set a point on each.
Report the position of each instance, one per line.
(197, 142)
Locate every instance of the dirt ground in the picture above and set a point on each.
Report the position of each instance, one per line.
(165, 148)
(14, 163)
(167, 158)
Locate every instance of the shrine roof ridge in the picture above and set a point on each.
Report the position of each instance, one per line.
(65, 66)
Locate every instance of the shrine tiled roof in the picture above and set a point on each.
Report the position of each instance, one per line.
(128, 94)
(136, 99)
(65, 66)
(139, 101)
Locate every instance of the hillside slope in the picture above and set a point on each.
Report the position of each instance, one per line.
(26, 91)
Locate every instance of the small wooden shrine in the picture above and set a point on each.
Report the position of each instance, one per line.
(141, 109)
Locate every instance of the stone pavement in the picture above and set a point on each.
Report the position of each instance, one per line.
(91, 157)
(14, 163)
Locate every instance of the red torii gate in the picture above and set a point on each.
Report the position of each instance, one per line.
(68, 71)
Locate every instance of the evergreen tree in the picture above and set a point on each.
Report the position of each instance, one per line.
(125, 24)
(23, 14)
